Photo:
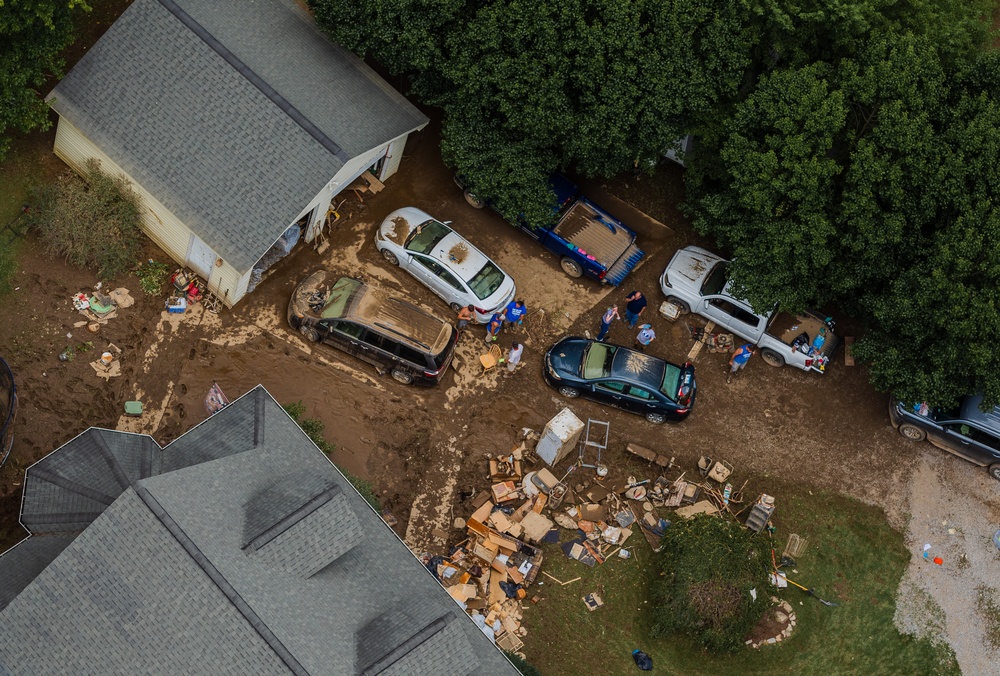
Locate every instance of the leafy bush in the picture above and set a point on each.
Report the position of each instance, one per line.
(92, 223)
(709, 566)
(314, 430)
(151, 276)
(522, 664)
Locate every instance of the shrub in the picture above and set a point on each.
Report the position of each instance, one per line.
(93, 223)
(709, 566)
(522, 665)
(151, 276)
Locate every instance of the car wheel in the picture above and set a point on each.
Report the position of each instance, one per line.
(995, 471)
(311, 334)
(456, 307)
(571, 267)
(473, 201)
(912, 432)
(772, 358)
(656, 418)
(679, 303)
(401, 376)
(569, 392)
(389, 256)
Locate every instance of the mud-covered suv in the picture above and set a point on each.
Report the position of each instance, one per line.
(964, 430)
(393, 335)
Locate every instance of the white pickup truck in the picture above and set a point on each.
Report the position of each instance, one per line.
(695, 280)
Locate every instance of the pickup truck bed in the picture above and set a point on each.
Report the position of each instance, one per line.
(613, 247)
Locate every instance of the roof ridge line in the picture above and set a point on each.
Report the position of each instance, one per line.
(72, 486)
(256, 80)
(283, 524)
(116, 470)
(220, 581)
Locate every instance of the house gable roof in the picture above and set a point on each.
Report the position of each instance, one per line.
(338, 592)
(234, 115)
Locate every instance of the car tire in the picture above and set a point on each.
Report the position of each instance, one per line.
(912, 432)
(679, 303)
(401, 376)
(473, 201)
(569, 392)
(995, 471)
(311, 334)
(389, 256)
(772, 358)
(456, 307)
(656, 418)
(571, 267)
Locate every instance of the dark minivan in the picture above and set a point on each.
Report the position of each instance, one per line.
(964, 430)
(412, 345)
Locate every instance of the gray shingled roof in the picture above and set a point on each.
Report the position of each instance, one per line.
(233, 114)
(171, 552)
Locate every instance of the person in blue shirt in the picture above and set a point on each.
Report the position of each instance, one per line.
(493, 328)
(739, 359)
(514, 312)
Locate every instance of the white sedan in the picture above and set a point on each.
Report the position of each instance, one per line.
(445, 262)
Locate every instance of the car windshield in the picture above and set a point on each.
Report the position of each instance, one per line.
(715, 281)
(485, 282)
(597, 361)
(426, 236)
(339, 299)
(671, 381)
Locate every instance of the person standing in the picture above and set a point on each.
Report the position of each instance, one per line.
(739, 359)
(514, 313)
(465, 316)
(606, 319)
(635, 306)
(645, 337)
(513, 358)
(493, 328)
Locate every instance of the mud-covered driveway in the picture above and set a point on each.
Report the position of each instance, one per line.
(423, 449)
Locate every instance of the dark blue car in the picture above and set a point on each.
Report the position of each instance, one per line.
(623, 378)
(587, 239)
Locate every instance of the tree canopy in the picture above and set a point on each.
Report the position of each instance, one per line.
(33, 33)
(847, 149)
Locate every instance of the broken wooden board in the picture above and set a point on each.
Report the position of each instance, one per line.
(703, 507)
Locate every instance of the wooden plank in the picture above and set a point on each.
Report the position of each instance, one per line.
(848, 355)
(698, 344)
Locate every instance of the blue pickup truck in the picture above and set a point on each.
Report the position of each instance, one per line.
(586, 238)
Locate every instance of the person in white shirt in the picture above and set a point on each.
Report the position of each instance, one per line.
(513, 358)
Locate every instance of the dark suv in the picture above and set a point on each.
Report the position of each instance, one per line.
(963, 430)
(412, 345)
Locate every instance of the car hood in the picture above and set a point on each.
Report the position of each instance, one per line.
(689, 267)
(566, 355)
(314, 283)
(398, 225)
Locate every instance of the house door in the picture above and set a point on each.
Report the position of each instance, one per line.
(200, 257)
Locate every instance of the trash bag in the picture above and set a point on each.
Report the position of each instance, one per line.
(642, 660)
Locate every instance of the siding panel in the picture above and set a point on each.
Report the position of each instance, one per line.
(73, 148)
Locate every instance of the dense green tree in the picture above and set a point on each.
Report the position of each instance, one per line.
(32, 35)
(870, 184)
(527, 88)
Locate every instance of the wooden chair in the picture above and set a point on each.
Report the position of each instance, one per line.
(491, 358)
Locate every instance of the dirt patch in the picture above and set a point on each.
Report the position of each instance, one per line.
(458, 252)
(400, 230)
(774, 621)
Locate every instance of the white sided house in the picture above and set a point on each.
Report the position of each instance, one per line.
(233, 120)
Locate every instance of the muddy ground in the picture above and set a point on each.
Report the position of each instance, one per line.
(423, 449)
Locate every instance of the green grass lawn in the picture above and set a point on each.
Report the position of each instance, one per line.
(852, 557)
